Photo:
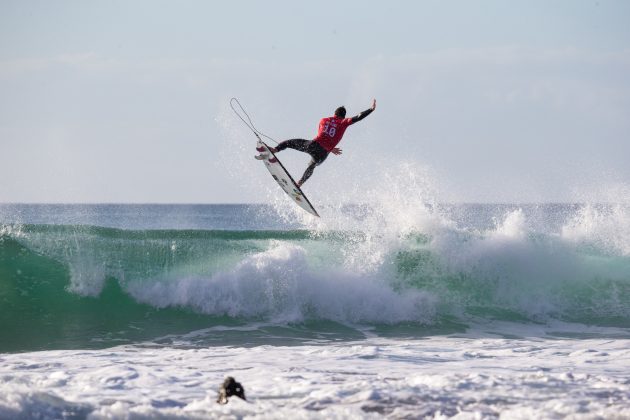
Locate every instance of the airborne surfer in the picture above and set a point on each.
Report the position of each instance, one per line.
(331, 130)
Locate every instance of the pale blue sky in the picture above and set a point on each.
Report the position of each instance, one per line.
(118, 101)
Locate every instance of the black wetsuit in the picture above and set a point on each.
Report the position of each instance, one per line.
(317, 152)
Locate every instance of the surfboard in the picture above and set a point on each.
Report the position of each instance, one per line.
(283, 178)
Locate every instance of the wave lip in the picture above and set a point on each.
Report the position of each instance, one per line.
(602, 227)
(279, 284)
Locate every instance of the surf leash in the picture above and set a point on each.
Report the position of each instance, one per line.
(249, 122)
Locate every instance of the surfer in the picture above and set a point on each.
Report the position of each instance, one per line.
(331, 130)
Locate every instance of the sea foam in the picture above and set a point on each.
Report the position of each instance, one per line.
(280, 284)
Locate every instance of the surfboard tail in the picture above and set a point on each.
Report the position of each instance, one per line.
(284, 179)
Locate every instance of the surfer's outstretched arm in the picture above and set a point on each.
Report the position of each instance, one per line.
(365, 113)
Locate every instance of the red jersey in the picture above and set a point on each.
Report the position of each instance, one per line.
(331, 131)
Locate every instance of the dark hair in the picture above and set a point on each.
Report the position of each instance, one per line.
(340, 112)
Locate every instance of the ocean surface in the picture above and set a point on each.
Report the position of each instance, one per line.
(397, 309)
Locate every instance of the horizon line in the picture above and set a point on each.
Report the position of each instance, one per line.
(262, 204)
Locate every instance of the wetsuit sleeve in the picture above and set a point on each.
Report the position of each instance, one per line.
(362, 115)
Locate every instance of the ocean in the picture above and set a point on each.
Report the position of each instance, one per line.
(393, 309)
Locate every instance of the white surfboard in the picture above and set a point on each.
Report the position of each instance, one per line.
(282, 177)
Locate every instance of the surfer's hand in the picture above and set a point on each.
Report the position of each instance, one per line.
(336, 151)
(373, 104)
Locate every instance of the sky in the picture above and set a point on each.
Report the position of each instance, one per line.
(478, 100)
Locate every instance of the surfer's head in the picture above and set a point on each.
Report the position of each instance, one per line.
(340, 112)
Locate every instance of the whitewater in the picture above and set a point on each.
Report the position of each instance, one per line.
(404, 309)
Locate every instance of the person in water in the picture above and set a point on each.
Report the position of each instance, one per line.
(330, 132)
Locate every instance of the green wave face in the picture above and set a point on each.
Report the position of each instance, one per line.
(91, 287)
(38, 310)
(67, 286)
